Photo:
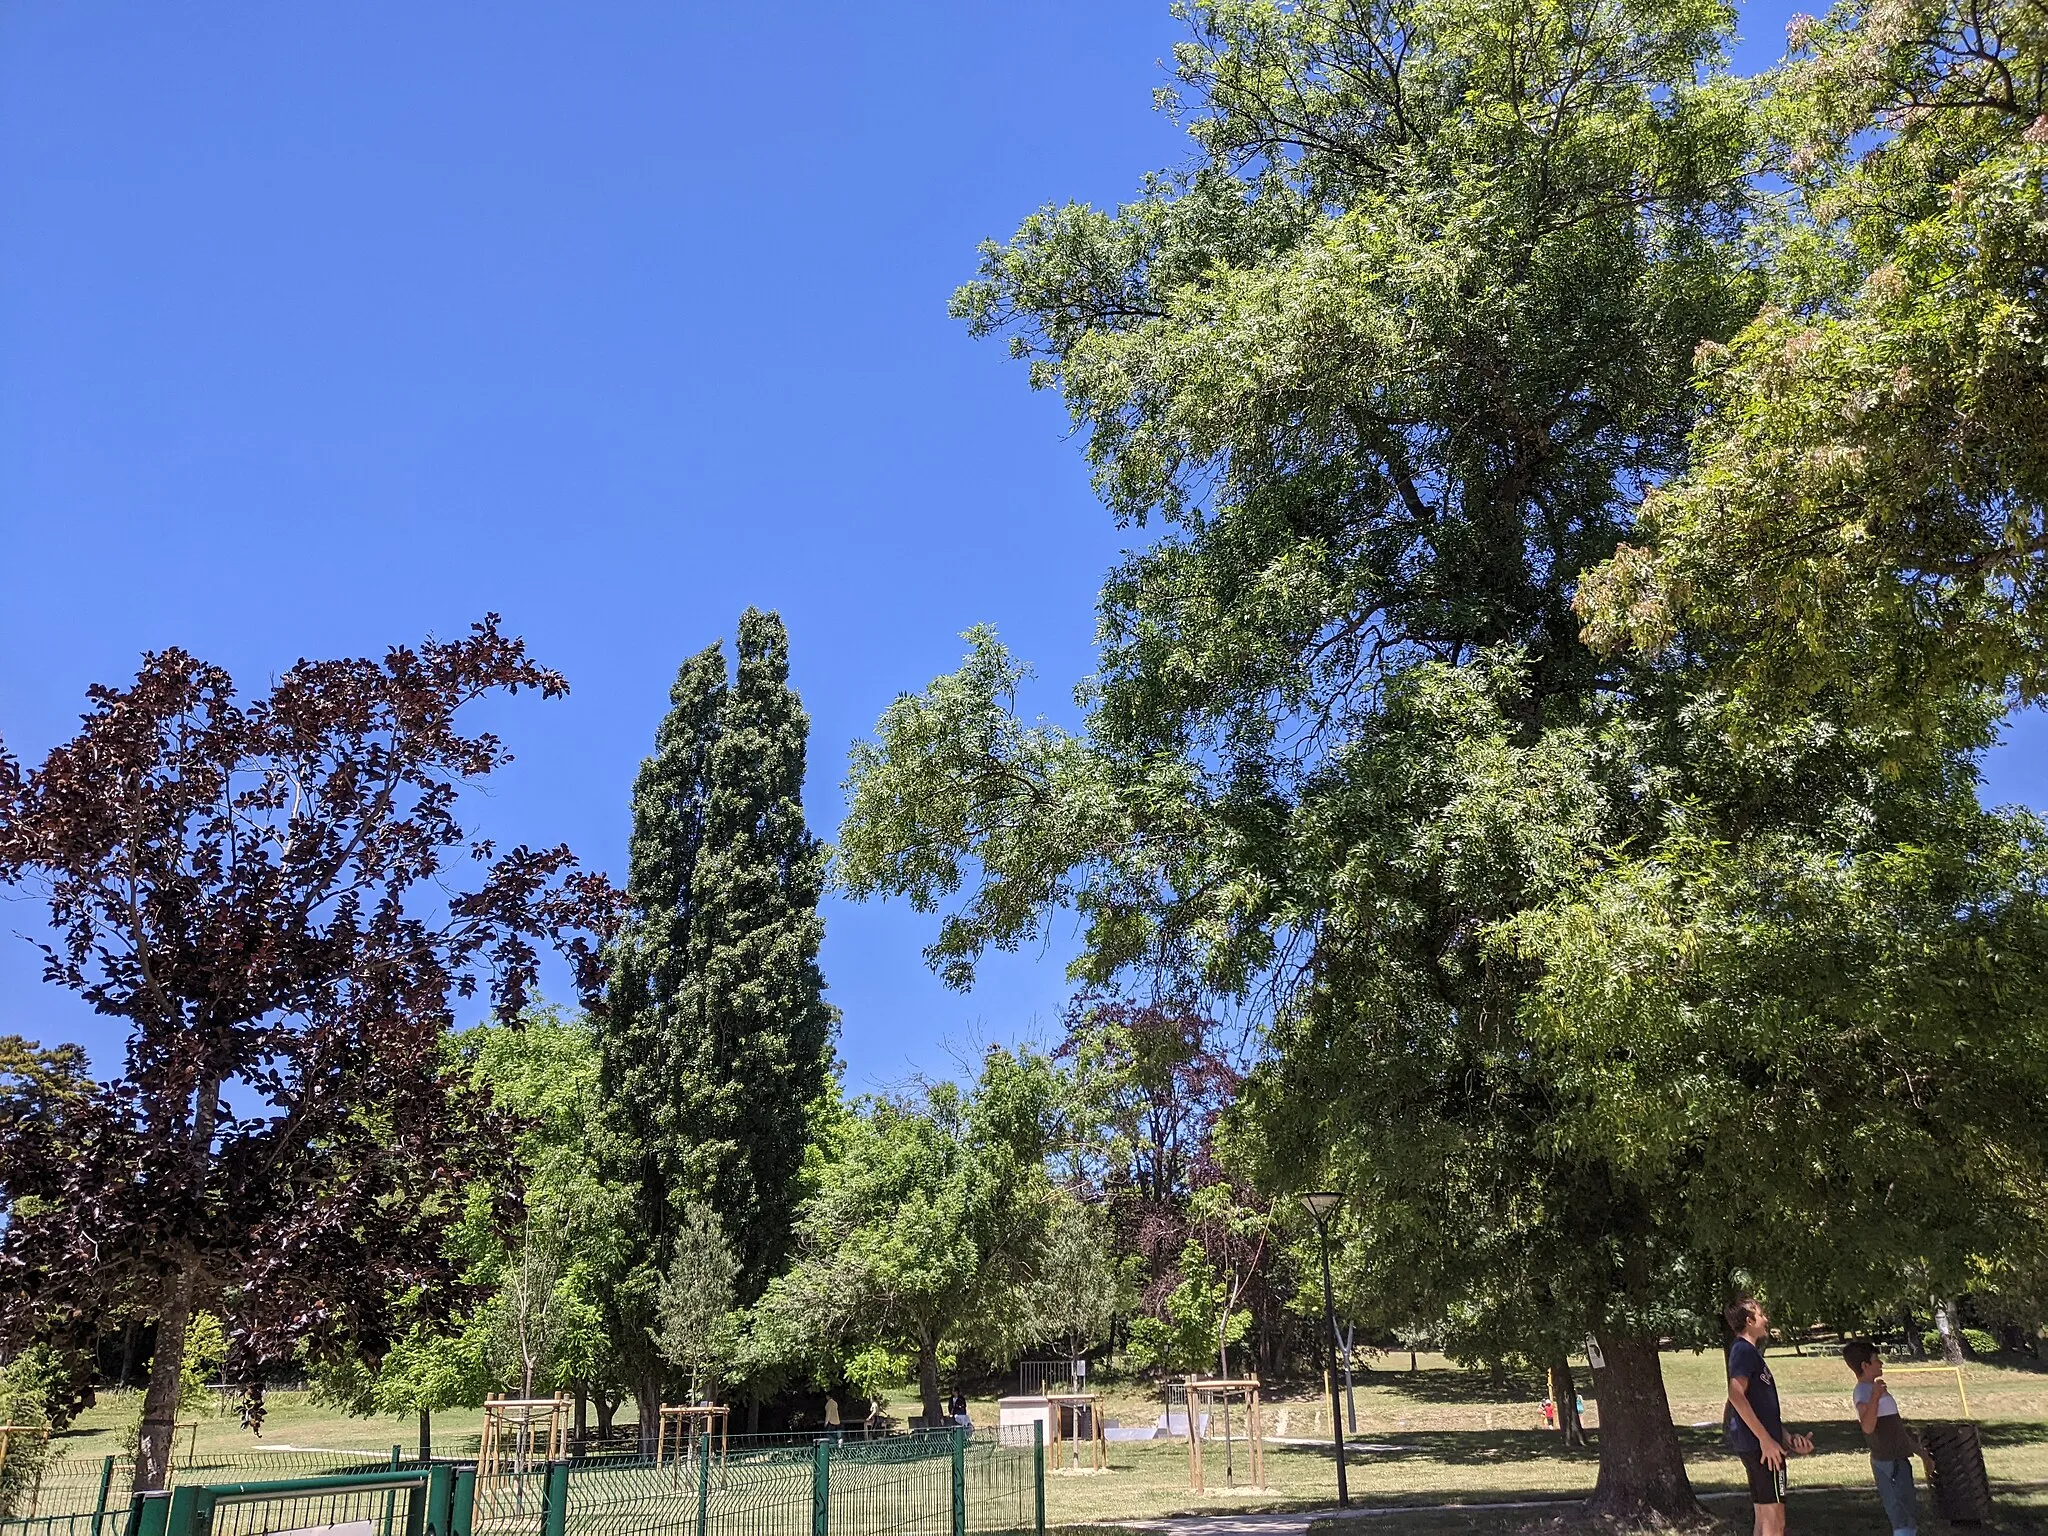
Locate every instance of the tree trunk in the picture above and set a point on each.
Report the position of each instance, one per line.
(582, 1416)
(647, 1393)
(166, 1378)
(1566, 1395)
(1951, 1333)
(426, 1435)
(928, 1381)
(1642, 1468)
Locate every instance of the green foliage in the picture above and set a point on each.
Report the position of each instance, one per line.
(922, 1230)
(1079, 1285)
(1867, 506)
(873, 1371)
(1981, 1344)
(28, 1384)
(697, 1327)
(1592, 984)
(716, 1041)
(1199, 1325)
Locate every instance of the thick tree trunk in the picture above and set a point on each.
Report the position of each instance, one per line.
(426, 1435)
(1642, 1467)
(166, 1378)
(1566, 1395)
(647, 1393)
(928, 1381)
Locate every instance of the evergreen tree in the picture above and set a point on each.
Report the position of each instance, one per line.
(754, 1030)
(718, 1038)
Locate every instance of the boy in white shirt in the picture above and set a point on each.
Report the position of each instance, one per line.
(1892, 1444)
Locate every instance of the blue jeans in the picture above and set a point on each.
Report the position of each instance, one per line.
(1895, 1491)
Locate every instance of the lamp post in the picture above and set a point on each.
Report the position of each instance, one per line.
(1320, 1204)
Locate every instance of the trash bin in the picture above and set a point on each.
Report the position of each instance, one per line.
(1962, 1489)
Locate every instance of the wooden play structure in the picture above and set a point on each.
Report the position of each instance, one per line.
(1201, 1389)
(691, 1428)
(1082, 1412)
(521, 1433)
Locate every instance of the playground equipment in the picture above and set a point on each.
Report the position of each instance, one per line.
(692, 1423)
(1201, 1390)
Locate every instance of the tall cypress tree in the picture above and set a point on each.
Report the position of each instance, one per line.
(641, 1062)
(717, 1038)
(754, 1029)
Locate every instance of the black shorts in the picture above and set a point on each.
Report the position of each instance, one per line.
(1766, 1483)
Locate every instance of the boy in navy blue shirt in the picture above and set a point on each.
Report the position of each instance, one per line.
(1756, 1428)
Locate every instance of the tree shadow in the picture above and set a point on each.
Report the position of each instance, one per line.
(1466, 1388)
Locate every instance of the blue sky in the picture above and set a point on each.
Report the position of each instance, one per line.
(325, 327)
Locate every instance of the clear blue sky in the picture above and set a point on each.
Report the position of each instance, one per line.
(323, 327)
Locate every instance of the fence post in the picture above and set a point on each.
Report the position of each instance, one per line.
(462, 1503)
(1038, 1476)
(959, 1481)
(704, 1489)
(554, 1510)
(99, 1508)
(821, 1489)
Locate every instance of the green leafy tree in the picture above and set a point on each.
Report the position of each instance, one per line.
(534, 1238)
(1197, 1327)
(924, 1227)
(1390, 368)
(697, 1328)
(1080, 1285)
(1867, 506)
(717, 1039)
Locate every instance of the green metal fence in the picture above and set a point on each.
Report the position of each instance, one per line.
(948, 1483)
(416, 1501)
(89, 1496)
(930, 1484)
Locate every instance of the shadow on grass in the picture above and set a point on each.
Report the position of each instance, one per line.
(1462, 1389)
(1812, 1512)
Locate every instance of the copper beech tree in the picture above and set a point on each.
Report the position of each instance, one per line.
(278, 899)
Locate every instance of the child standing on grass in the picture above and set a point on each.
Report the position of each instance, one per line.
(1892, 1445)
(1756, 1429)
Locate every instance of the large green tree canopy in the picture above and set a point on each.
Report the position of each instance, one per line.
(1571, 963)
(1868, 505)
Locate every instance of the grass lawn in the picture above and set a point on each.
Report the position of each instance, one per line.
(1433, 1436)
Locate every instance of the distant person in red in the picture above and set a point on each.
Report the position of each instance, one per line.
(1756, 1428)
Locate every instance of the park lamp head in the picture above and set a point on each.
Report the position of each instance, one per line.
(1321, 1202)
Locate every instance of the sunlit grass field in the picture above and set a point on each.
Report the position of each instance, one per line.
(1434, 1435)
